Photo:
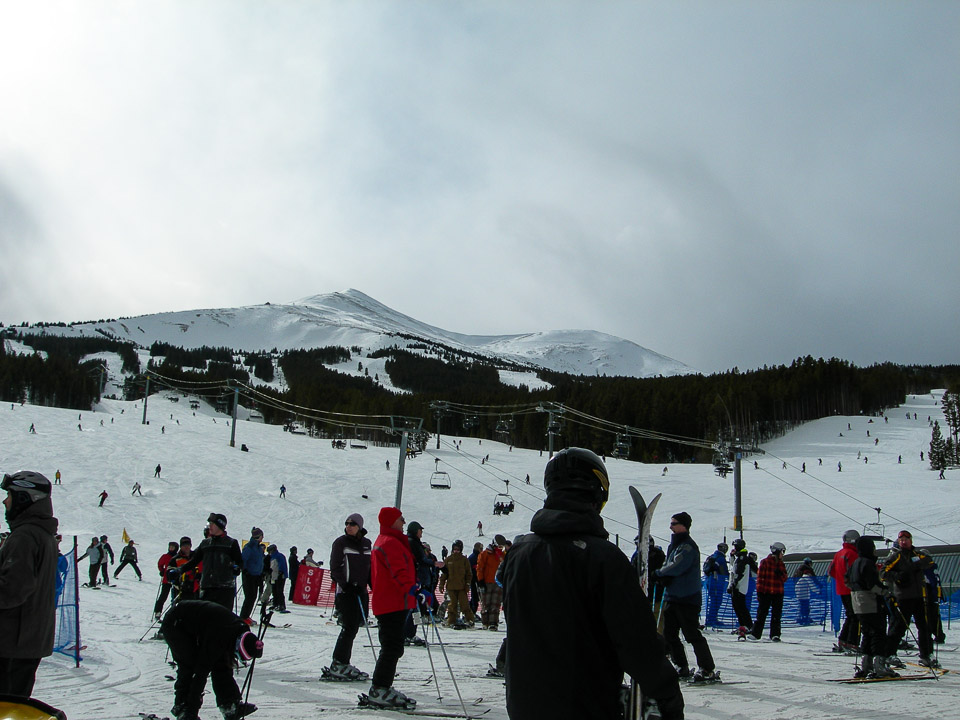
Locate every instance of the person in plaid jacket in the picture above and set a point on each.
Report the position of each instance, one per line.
(770, 579)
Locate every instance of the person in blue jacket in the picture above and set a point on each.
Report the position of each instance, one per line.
(278, 576)
(252, 575)
(681, 575)
(717, 575)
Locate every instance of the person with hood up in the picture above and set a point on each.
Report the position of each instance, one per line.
(350, 570)
(203, 638)
(681, 608)
(849, 638)
(395, 593)
(163, 565)
(592, 585)
(28, 577)
(866, 594)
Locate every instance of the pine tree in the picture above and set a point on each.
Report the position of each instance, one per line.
(951, 413)
(938, 449)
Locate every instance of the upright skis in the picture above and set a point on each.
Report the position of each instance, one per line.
(635, 704)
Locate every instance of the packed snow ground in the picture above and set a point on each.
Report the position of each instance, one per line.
(120, 676)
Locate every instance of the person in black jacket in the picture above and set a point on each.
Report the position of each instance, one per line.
(293, 562)
(350, 569)
(128, 556)
(866, 595)
(591, 584)
(222, 562)
(28, 577)
(203, 637)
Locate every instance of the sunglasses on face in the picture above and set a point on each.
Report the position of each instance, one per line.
(349, 523)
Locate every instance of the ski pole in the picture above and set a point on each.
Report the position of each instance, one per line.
(447, 660)
(261, 631)
(366, 624)
(903, 619)
(426, 644)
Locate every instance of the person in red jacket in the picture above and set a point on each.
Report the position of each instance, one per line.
(770, 579)
(849, 638)
(395, 591)
(163, 565)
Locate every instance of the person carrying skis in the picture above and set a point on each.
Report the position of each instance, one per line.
(28, 578)
(717, 575)
(220, 555)
(593, 587)
(252, 575)
(866, 593)
(849, 638)
(163, 565)
(903, 569)
(128, 556)
(682, 602)
(770, 581)
(740, 585)
(350, 570)
(395, 593)
(203, 638)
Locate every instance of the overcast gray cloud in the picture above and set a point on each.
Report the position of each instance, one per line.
(730, 184)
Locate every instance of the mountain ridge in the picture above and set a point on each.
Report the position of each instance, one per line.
(354, 319)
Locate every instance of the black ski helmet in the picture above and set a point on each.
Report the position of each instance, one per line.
(723, 547)
(577, 469)
(739, 544)
(25, 487)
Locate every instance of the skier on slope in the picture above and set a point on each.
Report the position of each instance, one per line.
(740, 584)
(203, 637)
(220, 555)
(866, 594)
(128, 556)
(903, 569)
(770, 581)
(849, 638)
(681, 610)
(163, 564)
(593, 586)
(350, 570)
(395, 594)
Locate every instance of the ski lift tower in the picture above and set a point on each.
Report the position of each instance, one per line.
(404, 426)
(554, 415)
(735, 452)
(440, 409)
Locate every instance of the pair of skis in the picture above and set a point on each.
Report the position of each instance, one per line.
(635, 701)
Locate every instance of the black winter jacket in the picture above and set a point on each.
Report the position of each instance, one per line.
(222, 562)
(567, 572)
(350, 562)
(202, 634)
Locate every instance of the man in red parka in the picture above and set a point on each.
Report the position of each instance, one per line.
(395, 592)
(849, 638)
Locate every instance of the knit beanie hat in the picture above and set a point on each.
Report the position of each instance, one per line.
(357, 518)
(249, 646)
(388, 516)
(683, 518)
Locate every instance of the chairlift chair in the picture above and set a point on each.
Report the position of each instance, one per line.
(502, 504)
(440, 480)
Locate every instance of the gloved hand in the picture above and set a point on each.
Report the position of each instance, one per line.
(414, 589)
(424, 596)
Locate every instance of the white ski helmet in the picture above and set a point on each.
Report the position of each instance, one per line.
(778, 547)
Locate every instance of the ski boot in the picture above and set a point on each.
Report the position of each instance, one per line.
(493, 671)
(237, 710)
(343, 672)
(894, 661)
(928, 662)
(741, 633)
(705, 678)
(388, 698)
(881, 668)
(865, 667)
(416, 640)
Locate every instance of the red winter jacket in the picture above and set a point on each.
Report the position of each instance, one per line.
(771, 575)
(839, 565)
(392, 573)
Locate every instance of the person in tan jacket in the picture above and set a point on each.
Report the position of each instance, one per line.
(455, 579)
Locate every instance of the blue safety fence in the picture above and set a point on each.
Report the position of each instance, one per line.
(814, 602)
(806, 601)
(67, 637)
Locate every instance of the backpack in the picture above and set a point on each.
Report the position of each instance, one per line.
(709, 565)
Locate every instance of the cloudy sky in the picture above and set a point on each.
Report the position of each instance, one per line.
(727, 183)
